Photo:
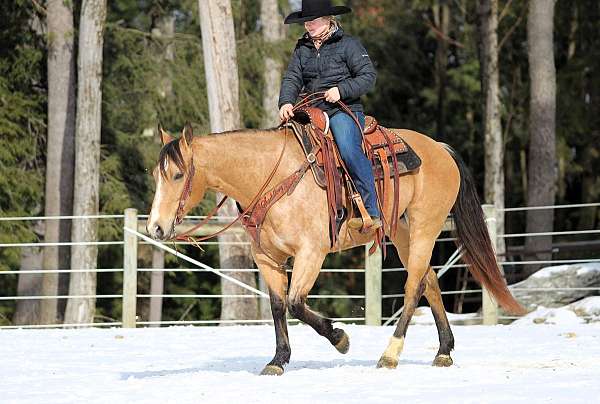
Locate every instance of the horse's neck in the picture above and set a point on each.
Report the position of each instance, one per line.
(238, 163)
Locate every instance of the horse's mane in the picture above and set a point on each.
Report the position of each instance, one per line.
(170, 151)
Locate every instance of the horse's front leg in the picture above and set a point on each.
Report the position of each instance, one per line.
(276, 280)
(307, 265)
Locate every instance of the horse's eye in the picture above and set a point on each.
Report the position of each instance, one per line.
(178, 176)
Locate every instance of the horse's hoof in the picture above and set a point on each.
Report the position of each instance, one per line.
(442, 361)
(344, 343)
(272, 370)
(388, 363)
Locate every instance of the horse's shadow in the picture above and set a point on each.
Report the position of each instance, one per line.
(254, 364)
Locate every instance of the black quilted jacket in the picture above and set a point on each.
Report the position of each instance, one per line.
(341, 61)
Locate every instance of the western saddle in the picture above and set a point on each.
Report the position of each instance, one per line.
(389, 154)
(390, 157)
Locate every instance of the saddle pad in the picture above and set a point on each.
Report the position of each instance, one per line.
(408, 161)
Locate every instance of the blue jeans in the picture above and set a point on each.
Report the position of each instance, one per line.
(349, 141)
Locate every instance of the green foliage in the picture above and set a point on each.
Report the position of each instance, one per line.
(22, 128)
(22, 136)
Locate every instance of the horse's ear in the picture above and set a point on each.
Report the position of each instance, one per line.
(187, 135)
(164, 136)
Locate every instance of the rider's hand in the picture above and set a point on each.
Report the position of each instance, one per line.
(332, 95)
(286, 112)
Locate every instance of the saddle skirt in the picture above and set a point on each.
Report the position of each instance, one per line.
(307, 120)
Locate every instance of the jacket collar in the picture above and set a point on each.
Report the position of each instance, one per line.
(306, 41)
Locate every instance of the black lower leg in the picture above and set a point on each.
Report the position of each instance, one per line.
(323, 326)
(410, 304)
(444, 332)
(282, 350)
(434, 297)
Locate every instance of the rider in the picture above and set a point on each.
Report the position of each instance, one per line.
(326, 59)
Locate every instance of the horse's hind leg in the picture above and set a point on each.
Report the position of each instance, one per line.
(307, 265)
(434, 297)
(276, 279)
(420, 246)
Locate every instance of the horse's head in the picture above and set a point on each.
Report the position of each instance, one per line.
(179, 185)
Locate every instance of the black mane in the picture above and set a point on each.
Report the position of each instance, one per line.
(170, 151)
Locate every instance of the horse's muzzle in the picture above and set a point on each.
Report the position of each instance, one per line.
(157, 232)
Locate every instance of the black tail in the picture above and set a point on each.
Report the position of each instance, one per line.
(472, 234)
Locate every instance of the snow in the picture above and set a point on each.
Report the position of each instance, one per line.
(582, 269)
(545, 315)
(590, 306)
(579, 312)
(524, 362)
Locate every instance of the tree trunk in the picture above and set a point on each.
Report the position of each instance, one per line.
(220, 59)
(165, 29)
(441, 15)
(60, 145)
(87, 160)
(542, 142)
(273, 32)
(494, 145)
(27, 312)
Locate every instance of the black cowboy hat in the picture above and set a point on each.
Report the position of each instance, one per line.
(312, 9)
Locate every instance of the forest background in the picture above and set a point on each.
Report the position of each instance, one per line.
(431, 61)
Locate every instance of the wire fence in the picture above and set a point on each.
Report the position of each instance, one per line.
(371, 300)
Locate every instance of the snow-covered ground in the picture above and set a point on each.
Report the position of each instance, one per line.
(524, 362)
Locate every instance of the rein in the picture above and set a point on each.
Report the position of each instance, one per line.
(187, 191)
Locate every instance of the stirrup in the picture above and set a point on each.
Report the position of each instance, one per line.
(357, 223)
(366, 218)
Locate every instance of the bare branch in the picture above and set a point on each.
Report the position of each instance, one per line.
(504, 11)
(512, 29)
(39, 7)
(441, 35)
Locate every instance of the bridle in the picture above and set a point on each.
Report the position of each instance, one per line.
(187, 190)
(185, 194)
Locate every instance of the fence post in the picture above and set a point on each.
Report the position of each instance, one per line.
(130, 270)
(489, 305)
(373, 266)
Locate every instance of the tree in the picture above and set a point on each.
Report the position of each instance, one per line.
(164, 28)
(28, 311)
(22, 133)
(220, 61)
(273, 32)
(494, 145)
(542, 170)
(441, 16)
(87, 160)
(60, 147)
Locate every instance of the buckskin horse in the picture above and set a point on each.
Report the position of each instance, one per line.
(241, 163)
